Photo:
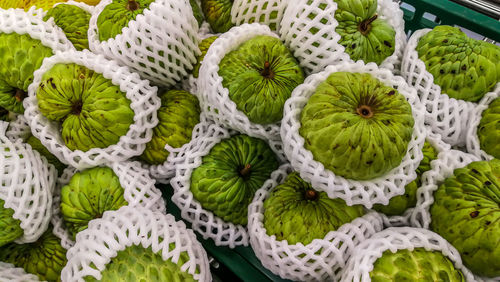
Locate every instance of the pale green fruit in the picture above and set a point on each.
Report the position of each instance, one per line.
(488, 130)
(74, 21)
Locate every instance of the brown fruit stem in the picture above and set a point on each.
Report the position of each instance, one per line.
(20, 95)
(311, 194)
(132, 5)
(76, 108)
(365, 111)
(245, 171)
(364, 26)
(267, 72)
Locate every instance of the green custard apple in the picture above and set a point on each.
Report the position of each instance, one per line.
(10, 228)
(197, 13)
(356, 126)
(488, 130)
(20, 57)
(465, 68)
(204, 45)
(260, 75)
(44, 258)
(93, 111)
(74, 21)
(399, 204)
(37, 145)
(88, 195)
(417, 265)
(218, 14)
(7, 4)
(466, 212)
(178, 115)
(295, 212)
(231, 173)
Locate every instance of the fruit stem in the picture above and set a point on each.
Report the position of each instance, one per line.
(267, 72)
(132, 5)
(364, 26)
(311, 194)
(365, 111)
(245, 170)
(20, 95)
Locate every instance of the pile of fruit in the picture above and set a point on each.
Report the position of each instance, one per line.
(314, 131)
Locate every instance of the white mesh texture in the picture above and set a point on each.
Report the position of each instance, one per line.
(10, 273)
(18, 129)
(268, 12)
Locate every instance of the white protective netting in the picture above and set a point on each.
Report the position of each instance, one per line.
(18, 129)
(11, 273)
(117, 230)
(268, 12)
(144, 103)
(368, 192)
(319, 260)
(308, 29)
(161, 44)
(139, 191)
(365, 254)
(27, 183)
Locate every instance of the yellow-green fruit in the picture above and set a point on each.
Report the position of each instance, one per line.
(74, 21)
(218, 14)
(37, 145)
(178, 115)
(44, 4)
(93, 111)
(488, 130)
(356, 126)
(295, 212)
(15, 4)
(10, 228)
(204, 45)
(90, 2)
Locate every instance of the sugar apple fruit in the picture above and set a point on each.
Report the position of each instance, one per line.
(38, 146)
(45, 258)
(10, 228)
(7, 4)
(88, 195)
(43, 4)
(20, 57)
(218, 14)
(416, 265)
(465, 68)
(74, 21)
(260, 75)
(230, 174)
(295, 212)
(197, 13)
(93, 111)
(356, 126)
(178, 115)
(488, 130)
(204, 45)
(466, 212)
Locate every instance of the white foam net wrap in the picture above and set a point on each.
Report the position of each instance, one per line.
(161, 44)
(82, 5)
(18, 129)
(319, 260)
(144, 103)
(27, 182)
(317, 50)
(214, 98)
(364, 256)
(369, 192)
(139, 191)
(128, 226)
(10, 273)
(268, 12)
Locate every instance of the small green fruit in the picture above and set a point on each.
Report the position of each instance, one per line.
(74, 21)
(10, 228)
(218, 14)
(204, 45)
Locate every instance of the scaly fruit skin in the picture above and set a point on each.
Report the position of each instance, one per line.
(117, 14)
(204, 45)
(45, 258)
(74, 21)
(197, 13)
(465, 68)
(20, 57)
(88, 195)
(399, 204)
(44, 4)
(466, 212)
(218, 14)
(93, 111)
(297, 213)
(10, 228)
(230, 174)
(418, 265)
(37, 145)
(178, 115)
(488, 130)
(261, 75)
(356, 126)
(16, 4)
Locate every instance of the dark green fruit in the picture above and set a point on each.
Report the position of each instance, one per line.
(230, 174)
(10, 228)
(204, 45)
(4, 114)
(197, 13)
(74, 21)
(488, 130)
(37, 145)
(218, 14)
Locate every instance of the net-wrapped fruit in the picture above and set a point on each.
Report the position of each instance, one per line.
(10, 228)
(204, 45)
(488, 130)
(218, 14)
(74, 21)
(38, 146)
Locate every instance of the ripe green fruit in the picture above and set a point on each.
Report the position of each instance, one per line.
(261, 75)
(295, 212)
(204, 45)
(218, 14)
(231, 173)
(466, 213)
(465, 68)
(94, 112)
(356, 126)
(37, 145)
(10, 228)
(488, 130)
(74, 21)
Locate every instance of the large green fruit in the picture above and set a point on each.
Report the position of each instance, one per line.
(88, 195)
(261, 75)
(37, 145)
(466, 212)
(230, 174)
(94, 112)
(465, 68)
(45, 258)
(20, 57)
(218, 14)
(295, 212)
(204, 45)
(356, 126)
(74, 21)
(178, 115)
(10, 228)
(488, 130)
(418, 265)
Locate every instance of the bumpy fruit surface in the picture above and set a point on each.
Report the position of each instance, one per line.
(197, 13)
(74, 21)
(204, 45)
(417, 265)
(218, 14)
(295, 212)
(465, 68)
(16, 4)
(20, 57)
(488, 130)
(356, 126)
(93, 111)
(37, 145)
(88, 195)
(466, 212)
(229, 175)
(10, 228)
(44, 4)
(260, 75)
(178, 115)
